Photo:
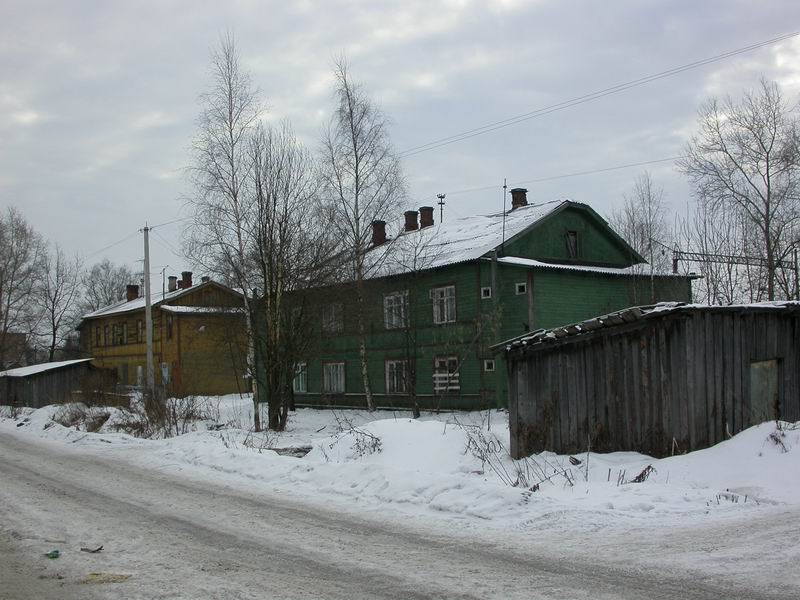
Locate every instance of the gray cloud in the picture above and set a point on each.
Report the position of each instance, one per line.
(98, 99)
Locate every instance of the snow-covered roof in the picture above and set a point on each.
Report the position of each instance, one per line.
(40, 368)
(640, 269)
(629, 315)
(179, 309)
(454, 241)
(156, 299)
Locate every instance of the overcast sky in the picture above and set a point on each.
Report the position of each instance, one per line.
(98, 100)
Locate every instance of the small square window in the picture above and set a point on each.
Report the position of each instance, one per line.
(488, 364)
(486, 292)
(522, 288)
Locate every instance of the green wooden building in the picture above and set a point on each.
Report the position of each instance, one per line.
(440, 295)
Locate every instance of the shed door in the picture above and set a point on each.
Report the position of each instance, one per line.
(764, 390)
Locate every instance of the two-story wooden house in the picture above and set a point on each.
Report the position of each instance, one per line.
(440, 295)
(199, 338)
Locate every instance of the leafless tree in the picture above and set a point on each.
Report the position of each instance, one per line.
(642, 222)
(363, 180)
(746, 156)
(216, 236)
(57, 295)
(104, 284)
(21, 253)
(294, 249)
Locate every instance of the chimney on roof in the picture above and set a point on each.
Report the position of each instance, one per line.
(519, 197)
(173, 283)
(186, 280)
(411, 220)
(425, 216)
(378, 233)
(131, 292)
(205, 279)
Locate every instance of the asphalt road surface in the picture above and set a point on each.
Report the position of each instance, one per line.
(168, 536)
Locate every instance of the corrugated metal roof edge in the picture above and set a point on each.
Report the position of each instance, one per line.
(630, 315)
(59, 364)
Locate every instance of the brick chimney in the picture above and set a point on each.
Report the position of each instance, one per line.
(519, 197)
(186, 280)
(131, 292)
(411, 220)
(378, 233)
(172, 284)
(425, 216)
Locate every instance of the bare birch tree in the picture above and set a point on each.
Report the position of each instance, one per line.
(216, 236)
(57, 295)
(363, 180)
(21, 252)
(293, 250)
(746, 156)
(104, 284)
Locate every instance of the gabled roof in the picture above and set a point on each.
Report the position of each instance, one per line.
(468, 238)
(41, 368)
(454, 241)
(156, 299)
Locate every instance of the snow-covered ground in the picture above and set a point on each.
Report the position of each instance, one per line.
(451, 465)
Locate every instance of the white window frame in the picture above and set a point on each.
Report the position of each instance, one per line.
(300, 381)
(446, 376)
(395, 310)
(489, 365)
(521, 288)
(397, 376)
(486, 292)
(333, 318)
(333, 377)
(444, 304)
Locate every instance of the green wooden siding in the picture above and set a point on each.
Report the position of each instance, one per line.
(558, 296)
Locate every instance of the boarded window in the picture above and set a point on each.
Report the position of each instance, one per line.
(445, 374)
(395, 310)
(333, 378)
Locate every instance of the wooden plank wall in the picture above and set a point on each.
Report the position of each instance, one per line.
(670, 384)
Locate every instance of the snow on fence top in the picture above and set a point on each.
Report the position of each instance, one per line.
(629, 315)
(41, 368)
(454, 241)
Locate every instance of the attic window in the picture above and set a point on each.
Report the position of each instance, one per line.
(521, 288)
(572, 244)
(486, 292)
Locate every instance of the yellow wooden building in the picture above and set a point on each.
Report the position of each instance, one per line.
(199, 338)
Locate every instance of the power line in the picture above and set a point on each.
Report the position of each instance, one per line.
(590, 96)
(567, 175)
(117, 243)
(170, 222)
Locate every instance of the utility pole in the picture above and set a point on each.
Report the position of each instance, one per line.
(148, 314)
(441, 207)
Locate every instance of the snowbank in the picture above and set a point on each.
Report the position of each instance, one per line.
(455, 465)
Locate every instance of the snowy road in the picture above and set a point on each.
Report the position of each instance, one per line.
(182, 538)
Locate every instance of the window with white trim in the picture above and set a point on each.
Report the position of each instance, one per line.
(333, 377)
(488, 365)
(333, 318)
(445, 374)
(486, 292)
(521, 288)
(395, 310)
(397, 378)
(300, 381)
(444, 304)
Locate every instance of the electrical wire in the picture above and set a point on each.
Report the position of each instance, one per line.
(489, 127)
(117, 243)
